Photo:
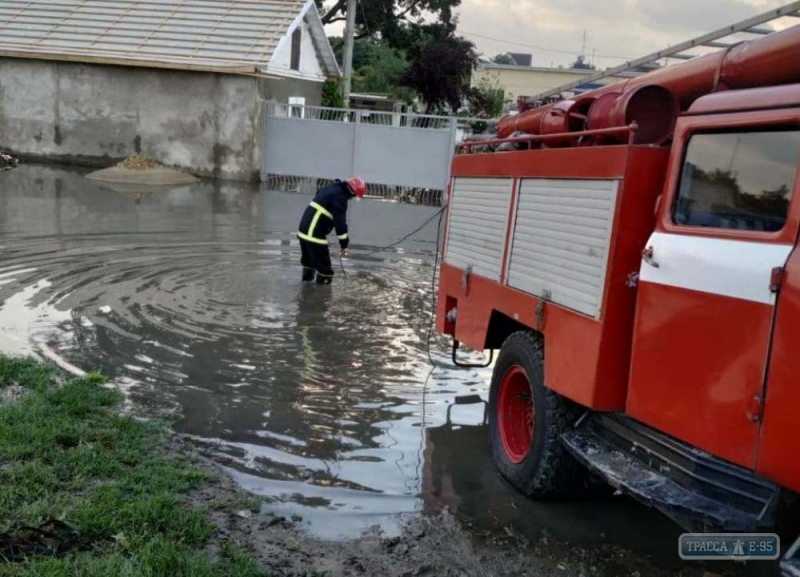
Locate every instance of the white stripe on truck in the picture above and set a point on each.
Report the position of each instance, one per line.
(732, 268)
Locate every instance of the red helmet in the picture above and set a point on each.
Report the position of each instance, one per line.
(356, 186)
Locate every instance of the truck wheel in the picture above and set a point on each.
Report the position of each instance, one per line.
(526, 421)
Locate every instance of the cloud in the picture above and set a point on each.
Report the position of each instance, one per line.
(625, 28)
(698, 17)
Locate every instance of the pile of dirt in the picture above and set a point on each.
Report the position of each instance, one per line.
(138, 162)
(141, 171)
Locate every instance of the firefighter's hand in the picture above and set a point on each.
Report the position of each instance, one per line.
(343, 252)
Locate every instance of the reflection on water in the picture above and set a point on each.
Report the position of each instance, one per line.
(315, 397)
(459, 474)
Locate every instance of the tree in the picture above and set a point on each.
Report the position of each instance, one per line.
(505, 59)
(332, 94)
(390, 19)
(486, 100)
(362, 51)
(382, 74)
(377, 67)
(581, 64)
(441, 70)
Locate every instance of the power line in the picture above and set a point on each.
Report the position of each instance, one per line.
(533, 47)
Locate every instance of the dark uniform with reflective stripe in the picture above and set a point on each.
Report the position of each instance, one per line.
(326, 212)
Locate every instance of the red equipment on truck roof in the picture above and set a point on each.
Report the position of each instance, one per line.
(636, 266)
(650, 99)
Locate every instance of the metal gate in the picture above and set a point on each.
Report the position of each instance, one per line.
(397, 154)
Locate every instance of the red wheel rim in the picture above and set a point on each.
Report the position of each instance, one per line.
(515, 414)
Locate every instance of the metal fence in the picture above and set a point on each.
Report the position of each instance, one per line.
(404, 157)
(371, 117)
(405, 194)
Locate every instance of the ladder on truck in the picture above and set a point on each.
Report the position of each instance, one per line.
(722, 39)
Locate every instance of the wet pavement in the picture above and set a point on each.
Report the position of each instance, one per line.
(320, 399)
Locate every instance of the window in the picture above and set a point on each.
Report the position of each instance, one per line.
(739, 181)
(297, 41)
(297, 107)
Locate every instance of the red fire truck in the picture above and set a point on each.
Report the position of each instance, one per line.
(632, 255)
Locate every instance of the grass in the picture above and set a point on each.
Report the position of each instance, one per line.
(66, 454)
(238, 503)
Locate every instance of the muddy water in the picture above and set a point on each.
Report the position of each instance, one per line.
(318, 399)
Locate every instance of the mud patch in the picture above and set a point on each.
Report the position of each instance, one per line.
(440, 545)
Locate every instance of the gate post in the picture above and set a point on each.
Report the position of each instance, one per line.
(354, 168)
(450, 154)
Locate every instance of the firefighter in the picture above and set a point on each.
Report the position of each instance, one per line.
(326, 212)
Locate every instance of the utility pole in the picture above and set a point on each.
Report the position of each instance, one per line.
(349, 40)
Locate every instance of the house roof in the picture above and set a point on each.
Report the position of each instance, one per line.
(235, 36)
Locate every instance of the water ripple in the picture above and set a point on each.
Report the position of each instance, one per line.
(193, 304)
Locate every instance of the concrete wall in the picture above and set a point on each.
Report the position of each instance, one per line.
(206, 123)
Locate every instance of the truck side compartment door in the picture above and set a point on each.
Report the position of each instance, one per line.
(705, 307)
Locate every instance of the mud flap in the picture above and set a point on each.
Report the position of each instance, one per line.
(697, 491)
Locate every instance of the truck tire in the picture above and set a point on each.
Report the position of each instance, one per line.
(526, 421)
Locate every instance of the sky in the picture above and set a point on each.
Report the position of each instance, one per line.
(623, 29)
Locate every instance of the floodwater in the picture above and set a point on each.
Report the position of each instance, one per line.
(319, 399)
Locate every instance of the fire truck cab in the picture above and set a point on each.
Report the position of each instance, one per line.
(634, 259)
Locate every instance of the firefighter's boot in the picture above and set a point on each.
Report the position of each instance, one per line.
(324, 279)
(308, 274)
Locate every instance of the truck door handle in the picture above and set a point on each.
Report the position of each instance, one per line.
(647, 256)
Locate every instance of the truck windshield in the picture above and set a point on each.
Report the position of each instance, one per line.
(739, 181)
